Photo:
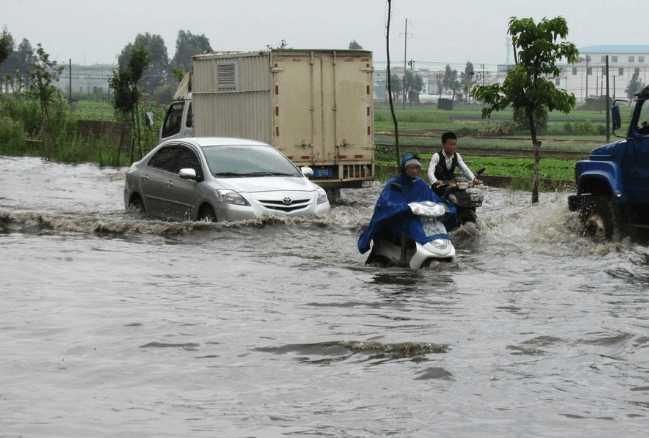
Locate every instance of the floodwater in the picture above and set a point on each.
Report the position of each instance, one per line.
(113, 325)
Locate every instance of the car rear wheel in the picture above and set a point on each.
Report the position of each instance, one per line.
(206, 214)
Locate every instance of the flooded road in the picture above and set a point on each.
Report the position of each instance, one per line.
(111, 325)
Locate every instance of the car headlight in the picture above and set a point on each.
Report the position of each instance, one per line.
(322, 197)
(232, 197)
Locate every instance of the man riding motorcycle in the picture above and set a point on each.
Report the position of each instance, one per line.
(443, 164)
(441, 173)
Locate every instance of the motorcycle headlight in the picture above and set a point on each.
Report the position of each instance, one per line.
(232, 197)
(322, 197)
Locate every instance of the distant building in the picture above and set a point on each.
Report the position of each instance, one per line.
(86, 79)
(587, 78)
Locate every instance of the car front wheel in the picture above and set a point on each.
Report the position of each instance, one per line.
(206, 214)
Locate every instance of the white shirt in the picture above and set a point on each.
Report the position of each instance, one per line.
(449, 161)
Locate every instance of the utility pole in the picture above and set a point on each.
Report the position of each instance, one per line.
(483, 78)
(614, 89)
(606, 107)
(405, 62)
(586, 95)
(70, 81)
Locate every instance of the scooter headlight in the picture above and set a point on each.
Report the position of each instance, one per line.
(232, 197)
(322, 197)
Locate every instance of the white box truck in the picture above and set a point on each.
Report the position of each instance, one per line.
(315, 106)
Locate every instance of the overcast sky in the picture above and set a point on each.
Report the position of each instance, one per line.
(90, 31)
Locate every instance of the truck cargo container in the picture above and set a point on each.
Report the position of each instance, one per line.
(315, 106)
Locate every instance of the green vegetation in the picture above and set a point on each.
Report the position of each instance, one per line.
(528, 87)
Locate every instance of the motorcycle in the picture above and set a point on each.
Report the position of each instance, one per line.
(393, 250)
(464, 195)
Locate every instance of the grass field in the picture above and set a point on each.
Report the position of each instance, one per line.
(577, 132)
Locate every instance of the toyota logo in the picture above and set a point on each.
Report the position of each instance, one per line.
(287, 201)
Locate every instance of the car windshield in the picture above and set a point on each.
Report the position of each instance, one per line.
(247, 161)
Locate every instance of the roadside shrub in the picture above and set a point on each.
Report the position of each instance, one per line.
(24, 109)
(584, 128)
(12, 135)
(501, 129)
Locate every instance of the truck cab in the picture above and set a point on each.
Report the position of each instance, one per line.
(179, 120)
(613, 184)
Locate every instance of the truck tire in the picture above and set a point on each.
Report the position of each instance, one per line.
(601, 218)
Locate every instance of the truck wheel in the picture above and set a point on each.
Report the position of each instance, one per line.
(333, 195)
(600, 218)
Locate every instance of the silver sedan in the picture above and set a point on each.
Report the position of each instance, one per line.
(224, 179)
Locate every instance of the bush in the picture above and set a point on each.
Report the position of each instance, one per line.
(22, 108)
(12, 135)
(583, 128)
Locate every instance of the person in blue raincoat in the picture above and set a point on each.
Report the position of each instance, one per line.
(392, 212)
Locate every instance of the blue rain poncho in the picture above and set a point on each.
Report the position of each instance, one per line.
(392, 213)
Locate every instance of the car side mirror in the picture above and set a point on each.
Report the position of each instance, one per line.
(307, 171)
(188, 174)
(616, 117)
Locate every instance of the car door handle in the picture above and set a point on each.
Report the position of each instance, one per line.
(146, 178)
(170, 183)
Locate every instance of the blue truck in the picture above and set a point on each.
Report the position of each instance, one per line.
(613, 184)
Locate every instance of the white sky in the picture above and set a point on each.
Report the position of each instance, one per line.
(91, 31)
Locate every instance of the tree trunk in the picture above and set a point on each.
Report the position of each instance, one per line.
(394, 117)
(536, 168)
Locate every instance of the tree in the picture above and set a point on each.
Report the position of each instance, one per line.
(126, 93)
(397, 86)
(413, 84)
(188, 45)
(43, 74)
(353, 45)
(635, 85)
(6, 45)
(530, 84)
(20, 63)
(468, 78)
(6, 50)
(450, 80)
(157, 71)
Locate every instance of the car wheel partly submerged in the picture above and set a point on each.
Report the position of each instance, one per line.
(136, 205)
(206, 214)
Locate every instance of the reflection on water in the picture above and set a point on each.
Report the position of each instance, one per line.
(113, 324)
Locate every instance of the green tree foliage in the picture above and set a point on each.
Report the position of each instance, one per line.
(18, 66)
(530, 84)
(188, 45)
(413, 84)
(6, 45)
(397, 86)
(127, 95)
(44, 73)
(635, 85)
(353, 45)
(450, 80)
(157, 70)
(468, 78)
